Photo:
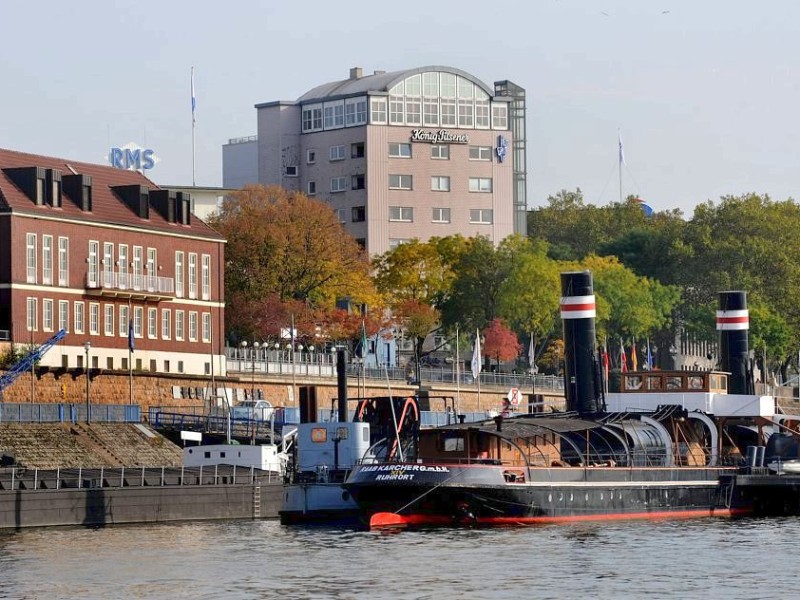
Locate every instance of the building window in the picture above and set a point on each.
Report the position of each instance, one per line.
(77, 320)
(192, 326)
(192, 275)
(124, 324)
(108, 319)
(395, 242)
(63, 261)
(430, 111)
(448, 112)
(206, 327)
(47, 259)
(311, 157)
(359, 214)
(440, 152)
(465, 112)
(47, 314)
(396, 109)
(441, 215)
(334, 116)
(341, 215)
(94, 318)
(30, 244)
(480, 153)
(480, 184)
(481, 216)
(180, 324)
(312, 188)
(138, 321)
(179, 273)
(316, 118)
(93, 274)
(499, 116)
(63, 315)
(205, 276)
(440, 183)
(137, 267)
(110, 363)
(482, 113)
(108, 262)
(290, 171)
(123, 266)
(357, 150)
(337, 152)
(33, 310)
(166, 323)
(401, 213)
(413, 111)
(166, 366)
(377, 110)
(338, 184)
(400, 182)
(152, 323)
(358, 182)
(399, 150)
(152, 262)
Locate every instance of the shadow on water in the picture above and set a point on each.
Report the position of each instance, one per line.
(95, 511)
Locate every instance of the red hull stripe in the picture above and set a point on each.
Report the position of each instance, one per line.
(382, 520)
(733, 319)
(576, 307)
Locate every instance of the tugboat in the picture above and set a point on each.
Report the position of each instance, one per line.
(656, 449)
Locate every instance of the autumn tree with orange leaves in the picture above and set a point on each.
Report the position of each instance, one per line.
(500, 342)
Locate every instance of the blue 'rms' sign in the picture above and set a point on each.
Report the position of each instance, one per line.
(132, 157)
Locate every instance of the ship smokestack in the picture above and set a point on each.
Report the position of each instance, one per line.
(578, 313)
(733, 323)
(341, 385)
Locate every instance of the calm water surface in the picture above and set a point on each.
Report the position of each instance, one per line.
(262, 559)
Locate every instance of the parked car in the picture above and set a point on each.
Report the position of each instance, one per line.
(253, 410)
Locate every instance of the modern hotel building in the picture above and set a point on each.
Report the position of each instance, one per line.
(417, 153)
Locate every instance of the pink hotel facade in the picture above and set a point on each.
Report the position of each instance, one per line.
(409, 154)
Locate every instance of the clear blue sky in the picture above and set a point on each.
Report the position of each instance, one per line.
(704, 93)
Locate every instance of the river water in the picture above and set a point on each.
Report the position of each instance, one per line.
(714, 558)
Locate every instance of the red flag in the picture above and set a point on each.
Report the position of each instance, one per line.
(605, 364)
(623, 360)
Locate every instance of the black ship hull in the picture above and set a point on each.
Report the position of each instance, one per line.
(485, 496)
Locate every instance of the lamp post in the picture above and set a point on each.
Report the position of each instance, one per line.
(256, 346)
(87, 346)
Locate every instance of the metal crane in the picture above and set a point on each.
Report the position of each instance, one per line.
(26, 362)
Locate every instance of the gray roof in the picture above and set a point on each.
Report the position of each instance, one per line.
(382, 82)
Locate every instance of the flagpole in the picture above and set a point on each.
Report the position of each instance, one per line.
(458, 378)
(193, 120)
(532, 363)
(130, 354)
(621, 162)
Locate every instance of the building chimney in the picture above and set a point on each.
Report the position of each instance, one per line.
(356, 73)
(580, 367)
(733, 323)
(341, 385)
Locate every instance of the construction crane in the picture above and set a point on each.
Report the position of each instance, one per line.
(26, 362)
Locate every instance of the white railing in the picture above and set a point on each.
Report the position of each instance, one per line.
(128, 281)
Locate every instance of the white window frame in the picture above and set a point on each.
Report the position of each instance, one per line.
(400, 150)
(481, 216)
(311, 189)
(193, 325)
(138, 321)
(166, 323)
(94, 318)
(440, 183)
(179, 280)
(152, 323)
(122, 265)
(47, 314)
(205, 276)
(338, 184)
(206, 327)
(63, 315)
(482, 153)
(108, 261)
(440, 215)
(499, 115)
(440, 151)
(402, 182)
(63, 261)
(138, 266)
(47, 259)
(401, 214)
(336, 153)
(124, 317)
(79, 317)
(311, 157)
(378, 111)
(180, 325)
(32, 316)
(31, 258)
(108, 319)
(480, 185)
(193, 275)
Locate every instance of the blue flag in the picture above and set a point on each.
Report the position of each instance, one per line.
(130, 335)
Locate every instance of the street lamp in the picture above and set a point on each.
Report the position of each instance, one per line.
(256, 346)
(87, 346)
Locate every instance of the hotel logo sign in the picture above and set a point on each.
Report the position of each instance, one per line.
(442, 136)
(502, 148)
(132, 157)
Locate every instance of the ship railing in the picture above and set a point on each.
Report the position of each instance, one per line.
(71, 478)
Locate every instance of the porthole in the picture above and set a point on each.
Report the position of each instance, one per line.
(570, 497)
(561, 497)
(587, 496)
(612, 495)
(550, 498)
(601, 495)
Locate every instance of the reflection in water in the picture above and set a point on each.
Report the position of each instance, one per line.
(262, 559)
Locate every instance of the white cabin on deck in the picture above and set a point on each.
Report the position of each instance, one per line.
(704, 391)
(262, 456)
(331, 445)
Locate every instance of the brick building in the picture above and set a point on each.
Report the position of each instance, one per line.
(89, 249)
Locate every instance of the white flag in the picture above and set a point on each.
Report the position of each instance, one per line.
(621, 153)
(194, 100)
(476, 355)
(531, 355)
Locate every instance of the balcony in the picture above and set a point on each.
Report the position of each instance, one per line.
(127, 285)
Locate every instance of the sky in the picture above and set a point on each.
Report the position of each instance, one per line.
(704, 93)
